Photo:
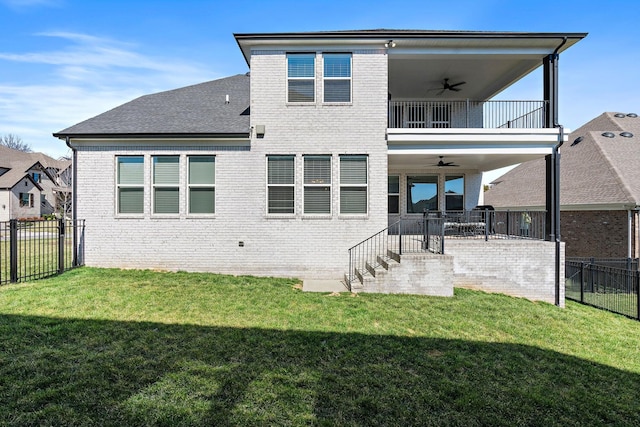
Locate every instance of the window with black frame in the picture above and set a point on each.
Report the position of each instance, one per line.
(454, 192)
(422, 193)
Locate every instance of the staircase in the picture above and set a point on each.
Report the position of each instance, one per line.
(405, 257)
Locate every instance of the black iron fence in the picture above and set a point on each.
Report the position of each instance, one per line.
(625, 263)
(610, 288)
(32, 250)
(492, 224)
(429, 231)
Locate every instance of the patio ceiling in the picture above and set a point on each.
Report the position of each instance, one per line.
(471, 149)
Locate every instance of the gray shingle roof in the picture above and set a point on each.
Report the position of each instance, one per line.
(193, 110)
(598, 170)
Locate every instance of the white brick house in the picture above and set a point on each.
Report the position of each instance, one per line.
(328, 140)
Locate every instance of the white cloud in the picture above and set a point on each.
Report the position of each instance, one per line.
(84, 77)
(24, 4)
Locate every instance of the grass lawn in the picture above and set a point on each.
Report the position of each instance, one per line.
(112, 348)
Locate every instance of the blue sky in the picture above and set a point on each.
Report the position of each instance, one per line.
(63, 61)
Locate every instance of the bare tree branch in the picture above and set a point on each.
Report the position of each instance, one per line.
(14, 142)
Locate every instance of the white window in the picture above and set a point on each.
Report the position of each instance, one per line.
(280, 184)
(130, 184)
(166, 184)
(301, 77)
(317, 184)
(353, 184)
(202, 180)
(337, 77)
(393, 192)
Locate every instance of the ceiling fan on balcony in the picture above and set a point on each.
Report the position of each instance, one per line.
(442, 163)
(446, 86)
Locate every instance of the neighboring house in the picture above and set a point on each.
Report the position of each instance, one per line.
(600, 188)
(31, 184)
(330, 138)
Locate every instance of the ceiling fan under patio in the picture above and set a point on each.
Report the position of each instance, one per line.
(446, 86)
(442, 163)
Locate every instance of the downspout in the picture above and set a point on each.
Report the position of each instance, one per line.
(556, 197)
(74, 186)
(629, 232)
(556, 171)
(74, 175)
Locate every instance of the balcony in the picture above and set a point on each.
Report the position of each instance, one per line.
(467, 114)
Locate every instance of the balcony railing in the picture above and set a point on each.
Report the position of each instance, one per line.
(467, 114)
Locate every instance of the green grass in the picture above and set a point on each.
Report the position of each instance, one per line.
(112, 348)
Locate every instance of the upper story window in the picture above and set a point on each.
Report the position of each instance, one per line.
(36, 176)
(337, 77)
(301, 77)
(130, 184)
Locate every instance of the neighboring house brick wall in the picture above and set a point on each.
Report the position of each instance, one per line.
(599, 234)
(300, 246)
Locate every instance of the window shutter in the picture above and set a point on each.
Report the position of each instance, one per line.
(353, 170)
(166, 170)
(280, 170)
(202, 170)
(130, 170)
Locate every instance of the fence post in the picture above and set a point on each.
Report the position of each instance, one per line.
(637, 275)
(13, 250)
(582, 282)
(61, 234)
(400, 231)
(487, 223)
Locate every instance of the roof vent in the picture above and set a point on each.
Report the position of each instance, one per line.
(577, 141)
(633, 115)
(620, 115)
(608, 134)
(626, 134)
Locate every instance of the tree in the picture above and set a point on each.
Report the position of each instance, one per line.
(14, 142)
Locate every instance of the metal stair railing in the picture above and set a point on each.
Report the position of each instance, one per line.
(404, 236)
